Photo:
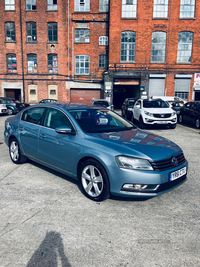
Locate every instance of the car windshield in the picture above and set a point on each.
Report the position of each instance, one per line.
(98, 121)
(101, 103)
(155, 104)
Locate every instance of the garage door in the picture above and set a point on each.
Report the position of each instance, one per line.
(84, 96)
(156, 87)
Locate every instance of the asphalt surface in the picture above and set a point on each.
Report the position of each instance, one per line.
(45, 221)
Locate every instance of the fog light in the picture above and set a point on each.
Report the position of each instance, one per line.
(135, 186)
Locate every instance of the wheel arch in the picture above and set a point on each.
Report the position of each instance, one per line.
(83, 159)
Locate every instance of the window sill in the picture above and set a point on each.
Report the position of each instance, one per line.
(126, 62)
(11, 73)
(52, 42)
(50, 10)
(183, 63)
(10, 10)
(160, 18)
(32, 73)
(13, 42)
(187, 18)
(82, 42)
(128, 18)
(152, 62)
(31, 42)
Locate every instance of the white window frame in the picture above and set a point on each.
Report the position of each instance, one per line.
(158, 47)
(81, 62)
(83, 6)
(103, 5)
(187, 9)
(185, 47)
(160, 9)
(82, 38)
(32, 64)
(127, 47)
(51, 5)
(9, 4)
(31, 3)
(129, 9)
(103, 40)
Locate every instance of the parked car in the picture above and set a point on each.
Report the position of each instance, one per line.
(176, 105)
(3, 108)
(103, 103)
(169, 98)
(154, 112)
(48, 100)
(13, 105)
(127, 107)
(190, 113)
(103, 151)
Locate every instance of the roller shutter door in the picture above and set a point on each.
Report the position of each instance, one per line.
(84, 96)
(156, 87)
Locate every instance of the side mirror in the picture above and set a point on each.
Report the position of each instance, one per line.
(65, 130)
(137, 106)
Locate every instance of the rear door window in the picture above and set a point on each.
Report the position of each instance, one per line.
(33, 115)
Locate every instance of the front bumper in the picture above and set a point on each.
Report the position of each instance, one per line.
(158, 182)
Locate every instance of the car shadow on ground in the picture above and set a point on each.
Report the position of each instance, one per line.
(50, 252)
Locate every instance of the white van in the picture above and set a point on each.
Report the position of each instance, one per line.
(169, 98)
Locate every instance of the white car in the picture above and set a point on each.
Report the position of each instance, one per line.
(103, 103)
(154, 112)
(3, 108)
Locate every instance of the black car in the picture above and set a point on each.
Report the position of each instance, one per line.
(190, 113)
(176, 105)
(127, 107)
(13, 105)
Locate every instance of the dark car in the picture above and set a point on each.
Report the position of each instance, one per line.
(176, 105)
(190, 113)
(13, 105)
(127, 107)
(104, 152)
(48, 100)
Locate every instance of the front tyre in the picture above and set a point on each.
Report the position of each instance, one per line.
(141, 123)
(15, 153)
(9, 111)
(94, 181)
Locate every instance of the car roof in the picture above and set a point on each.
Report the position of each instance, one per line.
(66, 105)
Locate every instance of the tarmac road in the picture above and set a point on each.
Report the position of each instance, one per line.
(45, 221)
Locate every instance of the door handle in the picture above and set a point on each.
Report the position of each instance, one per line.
(42, 135)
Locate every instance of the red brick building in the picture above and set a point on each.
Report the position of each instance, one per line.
(83, 49)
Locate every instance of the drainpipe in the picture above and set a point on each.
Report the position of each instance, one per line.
(22, 49)
(168, 46)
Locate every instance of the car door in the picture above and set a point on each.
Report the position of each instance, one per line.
(193, 113)
(29, 128)
(186, 112)
(56, 149)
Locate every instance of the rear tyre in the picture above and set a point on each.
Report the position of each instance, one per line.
(197, 123)
(15, 153)
(94, 181)
(180, 118)
(9, 111)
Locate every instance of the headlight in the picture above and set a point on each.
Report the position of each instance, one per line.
(133, 163)
(148, 113)
(130, 109)
(174, 113)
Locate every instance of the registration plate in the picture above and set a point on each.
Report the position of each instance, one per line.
(162, 122)
(177, 174)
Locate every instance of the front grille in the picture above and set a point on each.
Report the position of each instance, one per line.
(162, 116)
(167, 164)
